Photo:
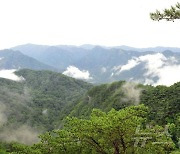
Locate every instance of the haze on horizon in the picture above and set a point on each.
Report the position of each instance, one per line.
(99, 22)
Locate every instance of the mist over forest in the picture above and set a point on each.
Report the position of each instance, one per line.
(89, 77)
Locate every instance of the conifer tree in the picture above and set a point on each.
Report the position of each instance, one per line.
(170, 14)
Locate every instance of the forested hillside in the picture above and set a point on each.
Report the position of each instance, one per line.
(36, 104)
(163, 101)
(89, 77)
(43, 100)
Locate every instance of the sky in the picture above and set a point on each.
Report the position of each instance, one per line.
(77, 22)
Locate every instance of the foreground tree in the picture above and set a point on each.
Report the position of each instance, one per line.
(168, 14)
(122, 131)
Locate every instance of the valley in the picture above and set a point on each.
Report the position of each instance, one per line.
(37, 97)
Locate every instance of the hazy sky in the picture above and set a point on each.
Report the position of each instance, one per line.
(76, 22)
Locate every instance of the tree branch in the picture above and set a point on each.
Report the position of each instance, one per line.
(168, 14)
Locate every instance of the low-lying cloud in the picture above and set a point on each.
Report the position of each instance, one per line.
(74, 72)
(9, 74)
(131, 64)
(3, 117)
(1, 58)
(24, 134)
(132, 92)
(167, 70)
(103, 70)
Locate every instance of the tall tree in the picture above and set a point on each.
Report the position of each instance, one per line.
(115, 132)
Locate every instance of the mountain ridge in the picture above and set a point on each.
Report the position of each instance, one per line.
(108, 64)
(40, 100)
(11, 59)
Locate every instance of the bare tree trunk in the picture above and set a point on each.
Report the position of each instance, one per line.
(116, 147)
(123, 145)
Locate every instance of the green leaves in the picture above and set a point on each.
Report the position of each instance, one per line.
(42, 100)
(123, 131)
(168, 14)
(105, 133)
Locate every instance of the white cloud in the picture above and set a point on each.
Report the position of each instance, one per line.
(45, 111)
(103, 69)
(166, 69)
(74, 72)
(1, 58)
(168, 75)
(148, 81)
(153, 63)
(9, 74)
(24, 134)
(131, 64)
(116, 68)
(157, 65)
(3, 117)
(132, 92)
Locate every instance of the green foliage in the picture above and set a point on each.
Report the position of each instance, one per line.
(105, 97)
(23, 149)
(104, 133)
(45, 98)
(53, 92)
(176, 152)
(163, 103)
(42, 100)
(164, 106)
(168, 14)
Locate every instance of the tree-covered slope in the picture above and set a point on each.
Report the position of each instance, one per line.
(41, 100)
(104, 133)
(163, 102)
(44, 98)
(117, 95)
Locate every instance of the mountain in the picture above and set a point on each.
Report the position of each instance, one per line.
(100, 61)
(163, 103)
(33, 102)
(98, 64)
(155, 49)
(10, 59)
(44, 98)
(40, 101)
(59, 57)
(88, 46)
(121, 94)
(108, 65)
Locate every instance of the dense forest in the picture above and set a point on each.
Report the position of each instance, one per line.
(36, 104)
(89, 77)
(73, 116)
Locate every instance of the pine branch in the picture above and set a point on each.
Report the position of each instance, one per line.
(168, 14)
